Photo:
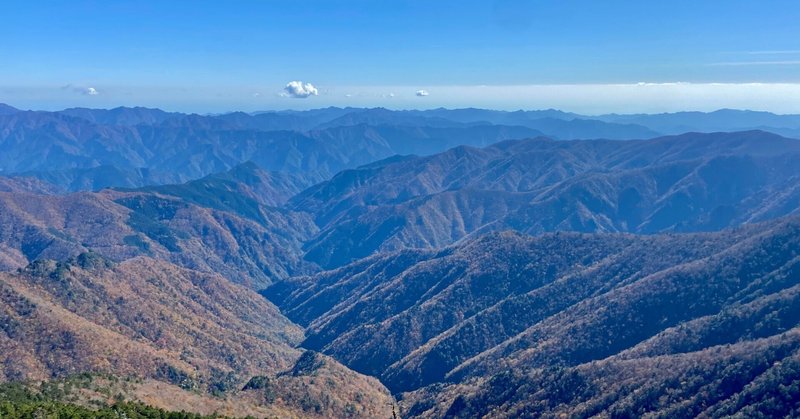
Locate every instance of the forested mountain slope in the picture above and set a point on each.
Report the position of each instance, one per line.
(198, 335)
(467, 314)
(692, 182)
(244, 241)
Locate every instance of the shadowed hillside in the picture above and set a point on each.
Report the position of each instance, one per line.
(507, 302)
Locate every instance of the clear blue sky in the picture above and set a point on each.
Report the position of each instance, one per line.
(215, 55)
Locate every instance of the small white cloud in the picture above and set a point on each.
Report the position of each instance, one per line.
(422, 93)
(256, 94)
(348, 95)
(90, 91)
(299, 90)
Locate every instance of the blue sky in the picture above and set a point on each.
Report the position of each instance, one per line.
(216, 56)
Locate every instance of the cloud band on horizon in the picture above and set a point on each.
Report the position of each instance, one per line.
(590, 99)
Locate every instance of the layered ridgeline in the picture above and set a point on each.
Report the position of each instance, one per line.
(89, 149)
(175, 338)
(571, 324)
(692, 182)
(222, 224)
(151, 288)
(150, 292)
(256, 226)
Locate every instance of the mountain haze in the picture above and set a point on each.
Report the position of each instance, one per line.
(692, 182)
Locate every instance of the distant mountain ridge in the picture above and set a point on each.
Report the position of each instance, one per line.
(720, 120)
(90, 149)
(693, 182)
(77, 154)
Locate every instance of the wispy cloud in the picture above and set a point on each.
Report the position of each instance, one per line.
(88, 91)
(755, 63)
(776, 52)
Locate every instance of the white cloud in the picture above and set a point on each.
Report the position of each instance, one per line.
(422, 93)
(299, 90)
(89, 91)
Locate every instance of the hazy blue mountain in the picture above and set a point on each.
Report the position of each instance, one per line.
(382, 116)
(693, 182)
(75, 153)
(7, 109)
(467, 115)
(552, 123)
(420, 140)
(122, 115)
(720, 120)
(240, 190)
(101, 177)
(270, 121)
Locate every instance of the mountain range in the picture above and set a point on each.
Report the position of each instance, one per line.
(90, 149)
(346, 262)
(692, 182)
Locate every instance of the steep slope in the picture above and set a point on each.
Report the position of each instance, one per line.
(757, 378)
(715, 337)
(26, 184)
(247, 243)
(449, 323)
(7, 109)
(693, 182)
(186, 333)
(246, 185)
(142, 317)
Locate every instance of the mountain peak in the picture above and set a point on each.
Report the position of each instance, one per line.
(7, 109)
